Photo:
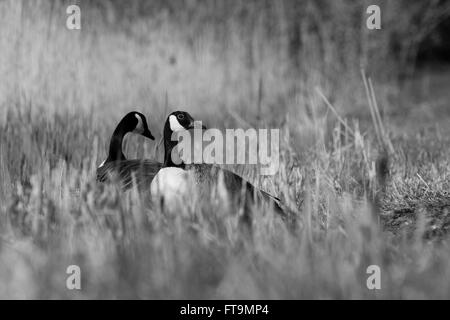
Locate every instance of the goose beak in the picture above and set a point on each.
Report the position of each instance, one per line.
(148, 134)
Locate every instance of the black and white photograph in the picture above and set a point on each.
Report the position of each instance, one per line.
(252, 151)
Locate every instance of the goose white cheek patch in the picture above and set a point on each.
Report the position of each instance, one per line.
(101, 164)
(140, 126)
(174, 124)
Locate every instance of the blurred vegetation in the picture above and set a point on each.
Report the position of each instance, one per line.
(282, 64)
(247, 56)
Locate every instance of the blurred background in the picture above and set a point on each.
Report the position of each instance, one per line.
(259, 59)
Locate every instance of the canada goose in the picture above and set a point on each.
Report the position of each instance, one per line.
(117, 167)
(172, 178)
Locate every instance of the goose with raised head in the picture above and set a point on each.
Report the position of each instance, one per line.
(172, 182)
(117, 168)
(177, 177)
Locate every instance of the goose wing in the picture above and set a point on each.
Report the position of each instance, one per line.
(123, 171)
(235, 184)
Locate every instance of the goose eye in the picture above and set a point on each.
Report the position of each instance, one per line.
(180, 116)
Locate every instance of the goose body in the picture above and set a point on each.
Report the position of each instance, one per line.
(206, 177)
(172, 185)
(124, 171)
(117, 168)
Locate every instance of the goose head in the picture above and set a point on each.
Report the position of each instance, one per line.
(177, 121)
(134, 122)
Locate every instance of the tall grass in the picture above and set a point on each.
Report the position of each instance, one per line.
(229, 64)
(238, 52)
(58, 216)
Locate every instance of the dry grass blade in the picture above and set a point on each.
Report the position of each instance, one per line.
(330, 106)
(382, 137)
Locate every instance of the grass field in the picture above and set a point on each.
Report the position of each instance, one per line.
(66, 90)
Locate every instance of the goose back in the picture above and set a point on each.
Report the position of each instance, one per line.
(242, 191)
(123, 171)
(117, 168)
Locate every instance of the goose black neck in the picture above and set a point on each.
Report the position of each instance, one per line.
(115, 146)
(169, 144)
